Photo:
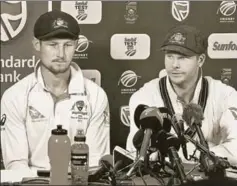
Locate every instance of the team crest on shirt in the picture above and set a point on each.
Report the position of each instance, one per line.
(35, 114)
(79, 110)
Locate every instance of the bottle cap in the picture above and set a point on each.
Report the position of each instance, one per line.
(80, 136)
(59, 131)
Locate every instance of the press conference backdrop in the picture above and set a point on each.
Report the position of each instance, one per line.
(119, 45)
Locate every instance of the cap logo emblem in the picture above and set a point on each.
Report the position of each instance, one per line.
(59, 23)
(177, 38)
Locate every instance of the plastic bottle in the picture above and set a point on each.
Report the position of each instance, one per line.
(59, 147)
(79, 159)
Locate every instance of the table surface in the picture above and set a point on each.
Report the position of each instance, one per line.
(134, 181)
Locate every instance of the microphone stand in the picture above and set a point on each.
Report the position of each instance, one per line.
(179, 176)
(215, 168)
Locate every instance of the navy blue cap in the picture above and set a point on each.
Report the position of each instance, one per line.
(56, 24)
(186, 40)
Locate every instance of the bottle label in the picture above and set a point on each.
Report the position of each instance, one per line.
(79, 159)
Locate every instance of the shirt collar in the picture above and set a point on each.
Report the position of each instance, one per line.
(76, 84)
(173, 95)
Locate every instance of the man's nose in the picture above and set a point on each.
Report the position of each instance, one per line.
(60, 51)
(176, 63)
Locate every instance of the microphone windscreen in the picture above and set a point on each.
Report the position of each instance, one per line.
(193, 112)
(167, 116)
(138, 138)
(151, 118)
(108, 158)
(140, 108)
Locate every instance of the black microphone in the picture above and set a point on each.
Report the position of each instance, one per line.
(178, 126)
(169, 144)
(137, 113)
(106, 166)
(193, 115)
(150, 121)
(166, 126)
(175, 160)
(138, 138)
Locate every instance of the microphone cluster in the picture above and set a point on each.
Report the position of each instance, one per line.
(154, 134)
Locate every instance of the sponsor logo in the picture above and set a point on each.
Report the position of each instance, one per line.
(79, 110)
(130, 46)
(35, 115)
(93, 75)
(222, 46)
(125, 115)
(128, 79)
(86, 12)
(226, 75)
(131, 12)
(226, 11)
(130, 43)
(180, 10)
(8, 74)
(12, 11)
(82, 47)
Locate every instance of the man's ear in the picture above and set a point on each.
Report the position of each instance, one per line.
(36, 44)
(201, 59)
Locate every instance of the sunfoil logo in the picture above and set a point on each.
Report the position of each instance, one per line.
(222, 46)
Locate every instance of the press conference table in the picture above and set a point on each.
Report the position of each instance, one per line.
(16, 178)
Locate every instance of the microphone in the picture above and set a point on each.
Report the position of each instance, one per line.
(138, 111)
(106, 166)
(193, 115)
(166, 126)
(175, 160)
(138, 138)
(150, 120)
(168, 144)
(178, 126)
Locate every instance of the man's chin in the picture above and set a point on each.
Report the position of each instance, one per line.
(59, 70)
(176, 81)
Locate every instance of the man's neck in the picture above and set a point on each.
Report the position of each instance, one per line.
(56, 84)
(185, 92)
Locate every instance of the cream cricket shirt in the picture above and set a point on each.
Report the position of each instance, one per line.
(32, 114)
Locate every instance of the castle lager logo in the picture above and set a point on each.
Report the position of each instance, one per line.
(12, 12)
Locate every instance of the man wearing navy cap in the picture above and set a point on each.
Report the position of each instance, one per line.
(184, 47)
(56, 93)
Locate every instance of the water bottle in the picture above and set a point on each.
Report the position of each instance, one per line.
(79, 159)
(59, 147)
